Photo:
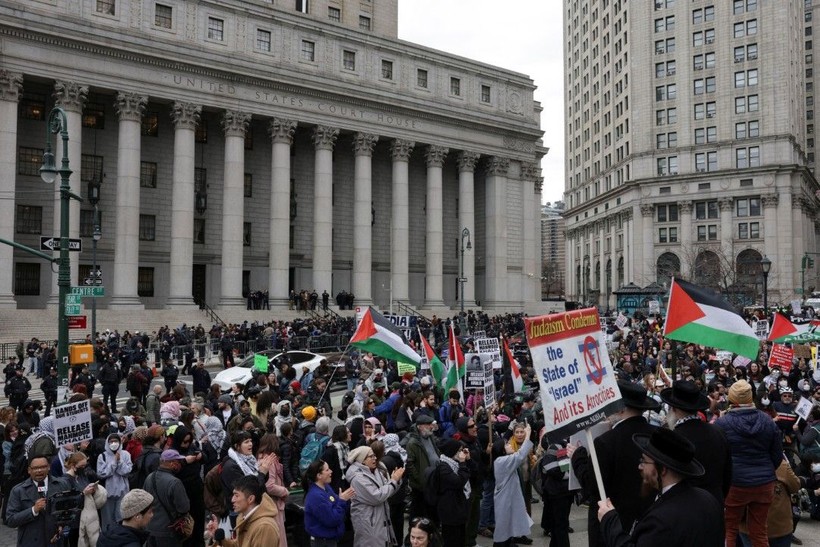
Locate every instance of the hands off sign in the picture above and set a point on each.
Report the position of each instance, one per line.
(72, 423)
(577, 379)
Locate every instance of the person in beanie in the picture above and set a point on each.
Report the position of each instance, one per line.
(136, 508)
(452, 479)
(369, 511)
(170, 498)
(681, 515)
(757, 450)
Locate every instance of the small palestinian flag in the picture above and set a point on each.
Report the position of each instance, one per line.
(436, 366)
(784, 331)
(380, 337)
(455, 361)
(515, 370)
(701, 316)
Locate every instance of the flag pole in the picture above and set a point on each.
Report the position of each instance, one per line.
(593, 454)
(332, 374)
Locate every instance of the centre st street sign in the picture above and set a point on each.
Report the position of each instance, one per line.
(88, 291)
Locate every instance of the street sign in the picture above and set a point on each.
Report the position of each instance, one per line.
(88, 291)
(53, 244)
(72, 309)
(72, 299)
(90, 281)
(462, 279)
(78, 322)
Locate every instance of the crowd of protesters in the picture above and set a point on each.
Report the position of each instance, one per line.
(401, 461)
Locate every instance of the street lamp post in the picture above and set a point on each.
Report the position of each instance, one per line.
(57, 123)
(766, 266)
(465, 234)
(94, 199)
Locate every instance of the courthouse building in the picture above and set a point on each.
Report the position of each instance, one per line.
(246, 145)
(690, 145)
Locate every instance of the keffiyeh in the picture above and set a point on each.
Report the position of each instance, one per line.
(246, 463)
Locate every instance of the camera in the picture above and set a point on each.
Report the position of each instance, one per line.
(65, 507)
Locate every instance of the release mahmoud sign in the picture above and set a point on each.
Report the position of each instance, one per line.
(578, 383)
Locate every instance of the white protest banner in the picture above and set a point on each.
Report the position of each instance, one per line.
(577, 379)
(489, 384)
(797, 307)
(762, 328)
(723, 356)
(620, 321)
(72, 423)
(479, 334)
(654, 307)
(804, 406)
(474, 376)
(741, 361)
(489, 346)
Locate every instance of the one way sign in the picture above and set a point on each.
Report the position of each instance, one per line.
(53, 244)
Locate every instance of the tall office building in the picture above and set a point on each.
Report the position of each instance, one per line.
(553, 250)
(689, 142)
(244, 145)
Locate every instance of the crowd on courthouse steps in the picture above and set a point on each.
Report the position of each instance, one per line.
(716, 455)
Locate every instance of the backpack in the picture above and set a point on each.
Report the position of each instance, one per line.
(214, 498)
(136, 478)
(314, 446)
(431, 486)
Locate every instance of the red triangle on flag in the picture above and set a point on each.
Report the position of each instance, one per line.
(682, 310)
(366, 328)
(781, 327)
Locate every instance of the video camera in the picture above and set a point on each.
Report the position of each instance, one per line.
(65, 507)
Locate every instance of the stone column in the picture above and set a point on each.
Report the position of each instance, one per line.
(613, 258)
(185, 117)
(496, 233)
(569, 267)
(647, 235)
(537, 251)
(281, 133)
(71, 97)
(685, 214)
(11, 84)
(781, 275)
(235, 124)
(770, 202)
(466, 214)
(433, 297)
(602, 294)
(130, 107)
(363, 144)
(629, 247)
(400, 151)
(531, 234)
(324, 138)
(726, 231)
(798, 221)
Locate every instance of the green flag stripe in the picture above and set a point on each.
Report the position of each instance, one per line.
(382, 349)
(716, 338)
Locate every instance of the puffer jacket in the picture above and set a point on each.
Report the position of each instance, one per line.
(369, 511)
(90, 518)
(755, 445)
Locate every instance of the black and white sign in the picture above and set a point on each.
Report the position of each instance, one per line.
(489, 346)
(72, 423)
(53, 244)
(474, 377)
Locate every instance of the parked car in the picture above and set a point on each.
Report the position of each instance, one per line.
(242, 373)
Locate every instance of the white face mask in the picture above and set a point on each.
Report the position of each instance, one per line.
(114, 446)
(775, 374)
(815, 468)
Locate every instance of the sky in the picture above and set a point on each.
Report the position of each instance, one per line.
(520, 35)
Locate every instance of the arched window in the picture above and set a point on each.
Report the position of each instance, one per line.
(621, 279)
(598, 275)
(668, 265)
(609, 277)
(749, 271)
(708, 271)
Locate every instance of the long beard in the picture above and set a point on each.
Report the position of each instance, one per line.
(671, 420)
(648, 489)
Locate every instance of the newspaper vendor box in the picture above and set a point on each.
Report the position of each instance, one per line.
(80, 354)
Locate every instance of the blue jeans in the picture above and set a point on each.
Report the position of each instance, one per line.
(487, 515)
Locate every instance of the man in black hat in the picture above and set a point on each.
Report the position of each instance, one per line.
(685, 400)
(617, 455)
(422, 453)
(681, 515)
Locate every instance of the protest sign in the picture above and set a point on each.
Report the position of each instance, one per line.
(814, 357)
(479, 334)
(489, 384)
(72, 423)
(797, 307)
(407, 367)
(424, 364)
(781, 356)
(620, 321)
(578, 383)
(802, 351)
(723, 356)
(803, 409)
(654, 307)
(489, 346)
(474, 377)
(741, 361)
(260, 363)
(762, 328)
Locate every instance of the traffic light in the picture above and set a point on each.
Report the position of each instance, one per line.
(807, 262)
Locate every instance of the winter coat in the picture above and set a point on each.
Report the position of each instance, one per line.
(279, 493)
(511, 518)
(122, 536)
(33, 530)
(152, 405)
(417, 460)
(754, 441)
(90, 517)
(259, 529)
(324, 513)
(369, 510)
(162, 483)
(453, 506)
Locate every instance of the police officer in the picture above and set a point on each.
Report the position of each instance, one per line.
(17, 389)
(49, 387)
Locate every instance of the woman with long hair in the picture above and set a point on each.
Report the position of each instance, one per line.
(275, 483)
(335, 455)
(325, 510)
(94, 498)
(183, 442)
(423, 533)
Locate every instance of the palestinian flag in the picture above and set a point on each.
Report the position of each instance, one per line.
(701, 316)
(436, 366)
(515, 371)
(379, 336)
(455, 362)
(784, 331)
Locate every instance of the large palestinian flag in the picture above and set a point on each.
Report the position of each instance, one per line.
(379, 336)
(701, 316)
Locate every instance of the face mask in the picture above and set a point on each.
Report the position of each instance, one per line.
(815, 468)
(114, 447)
(775, 374)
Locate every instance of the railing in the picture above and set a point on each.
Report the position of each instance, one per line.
(406, 309)
(330, 313)
(212, 316)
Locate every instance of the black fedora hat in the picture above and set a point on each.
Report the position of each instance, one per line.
(685, 395)
(634, 396)
(670, 449)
